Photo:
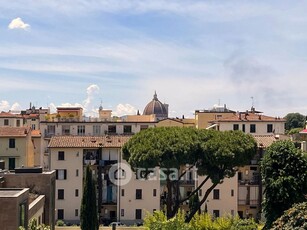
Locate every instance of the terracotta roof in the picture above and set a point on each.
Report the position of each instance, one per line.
(14, 131)
(111, 141)
(36, 133)
(266, 140)
(9, 115)
(31, 116)
(250, 117)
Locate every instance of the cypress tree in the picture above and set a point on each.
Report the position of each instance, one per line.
(89, 213)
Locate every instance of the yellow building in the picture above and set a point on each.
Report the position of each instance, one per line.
(70, 112)
(16, 147)
(176, 122)
(202, 117)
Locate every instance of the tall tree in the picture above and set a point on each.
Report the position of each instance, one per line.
(89, 213)
(294, 120)
(168, 148)
(284, 172)
(215, 154)
(221, 156)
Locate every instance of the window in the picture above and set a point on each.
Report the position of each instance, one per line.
(154, 192)
(11, 143)
(22, 215)
(154, 210)
(65, 129)
(33, 126)
(77, 172)
(60, 214)
(122, 212)
(232, 192)
(112, 129)
(60, 194)
(50, 129)
(232, 212)
(243, 128)
(12, 163)
(216, 213)
(81, 130)
(61, 174)
(76, 192)
(61, 155)
(252, 128)
(235, 126)
(6, 122)
(33, 119)
(143, 127)
(76, 212)
(138, 214)
(123, 192)
(138, 194)
(18, 123)
(269, 128)
(200, 192)
(216, 194)
(96, 130)
(127, 129)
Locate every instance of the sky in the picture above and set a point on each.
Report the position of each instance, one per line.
(116, 53)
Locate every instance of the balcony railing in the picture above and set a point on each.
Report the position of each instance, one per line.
(248, 202)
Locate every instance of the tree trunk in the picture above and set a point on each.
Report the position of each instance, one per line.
(192, 212)
(169, 202)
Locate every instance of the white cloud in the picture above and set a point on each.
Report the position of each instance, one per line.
(17, 23)
(88, 103)
(124, 109)
(16, 107)
(4, 105)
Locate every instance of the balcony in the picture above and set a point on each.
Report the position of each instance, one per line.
(248, 202)
(48, 135)
(187, 182)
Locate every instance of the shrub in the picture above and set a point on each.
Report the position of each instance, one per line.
(60, 223)
(293, 218)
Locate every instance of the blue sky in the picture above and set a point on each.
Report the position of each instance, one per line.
(194, 53)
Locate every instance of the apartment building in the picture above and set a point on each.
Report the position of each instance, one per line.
(86, 128)
(69, 155)
(203, 117)
(11, 120)
(252, 122)
(223, 198)
(16, 147)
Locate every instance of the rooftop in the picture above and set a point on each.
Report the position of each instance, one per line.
(250, 117)
(11, 192)
(266, 140)
(6, 131)
(109, 141)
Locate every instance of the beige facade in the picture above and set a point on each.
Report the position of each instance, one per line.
(137, 198)
(223, 199)
(69, 155)
(50, 129)
(10, 120)
(16, 147)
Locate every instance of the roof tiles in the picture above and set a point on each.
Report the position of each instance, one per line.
(111, 141)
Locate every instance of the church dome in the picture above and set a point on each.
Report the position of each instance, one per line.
(156, 107)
